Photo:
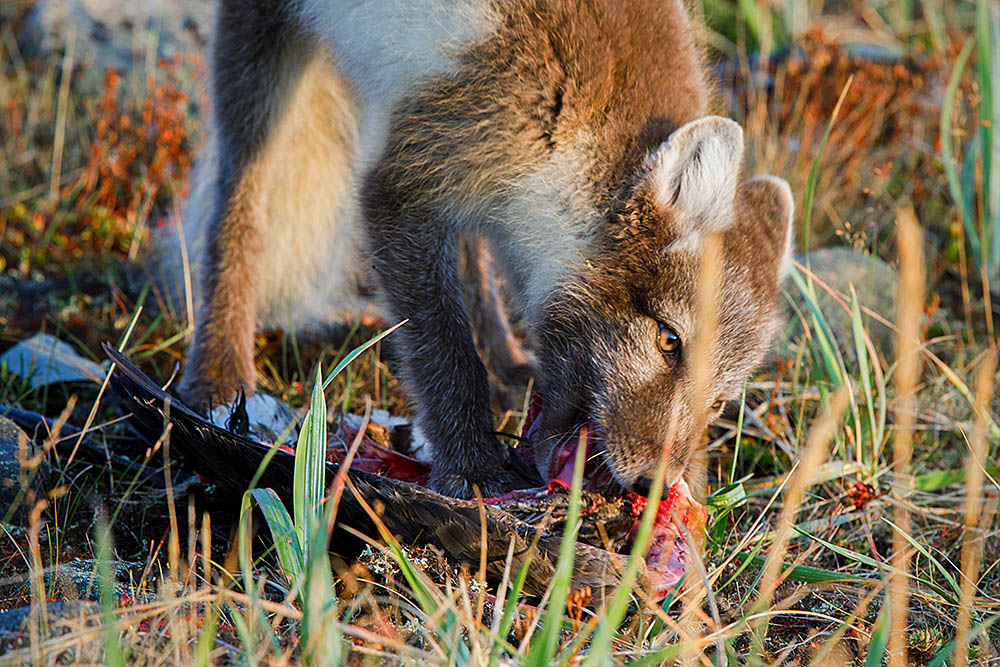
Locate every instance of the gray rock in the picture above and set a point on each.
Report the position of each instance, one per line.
(14, 622)
(120, 34)
(22, 475)
(47, 360)
(875, 283)
(60, 618)
(80, 580)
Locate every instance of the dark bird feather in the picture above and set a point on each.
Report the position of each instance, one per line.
(415, 515)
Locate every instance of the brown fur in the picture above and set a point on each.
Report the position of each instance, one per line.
(563, 134)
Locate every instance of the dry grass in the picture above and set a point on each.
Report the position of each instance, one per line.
(869, 476)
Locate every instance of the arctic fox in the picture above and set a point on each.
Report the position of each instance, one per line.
(572, 135)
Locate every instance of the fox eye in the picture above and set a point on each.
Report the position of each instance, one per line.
(668, 341)
(717, 406)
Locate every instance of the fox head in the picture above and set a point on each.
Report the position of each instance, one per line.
(617, 338)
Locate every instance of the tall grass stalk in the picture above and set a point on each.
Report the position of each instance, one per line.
(910, 313)
(113, 654)
(972, 538)
(709, 278)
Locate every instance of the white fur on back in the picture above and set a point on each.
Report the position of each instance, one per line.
(387, 47)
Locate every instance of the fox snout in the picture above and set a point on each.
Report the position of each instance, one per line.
(637, 434)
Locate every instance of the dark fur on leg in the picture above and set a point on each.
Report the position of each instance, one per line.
(417, 262)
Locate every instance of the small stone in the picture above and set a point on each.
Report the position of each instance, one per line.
(45, 359)
(875, 283)
(22, 473)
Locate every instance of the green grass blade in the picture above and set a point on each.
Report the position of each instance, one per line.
(728, 497)
(664, 656)
(992, 69)
(956, 589)
(321, 633)
(807, 205)
(357, 352)
(753, 17)
(823, 335)
(113, 653)
(310, 465)
(861, 351)
(510, 608)
(283, 533)
(248, 642)
(244, 545)
(601, 646)
(803, 573)
(747, 560)
(880, 636)
(206, 638)
(985, 20)
(543, 650)
(739, 434)
(948, 157)
(871, 562)
(430, 603)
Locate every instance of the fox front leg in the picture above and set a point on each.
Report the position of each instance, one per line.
(416, 260)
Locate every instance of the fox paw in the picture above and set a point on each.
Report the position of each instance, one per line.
(458, 485)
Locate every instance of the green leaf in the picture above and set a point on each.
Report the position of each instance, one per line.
(728, 497)
(880, 636)
(283, 533)
(310, 465)
(544, 650)
(932, 481)
(803, 573)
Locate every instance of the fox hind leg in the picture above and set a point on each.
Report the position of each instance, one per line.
(257, 61)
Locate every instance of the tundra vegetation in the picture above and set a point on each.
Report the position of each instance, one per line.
(853, 514)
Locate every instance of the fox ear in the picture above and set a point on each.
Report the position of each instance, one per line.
(694, 175)
(766, 219)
